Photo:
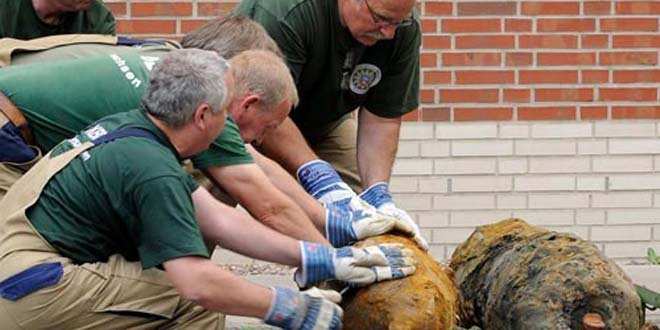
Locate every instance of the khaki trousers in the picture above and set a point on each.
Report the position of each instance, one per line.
(8, 45)
(338, 147)
(116, 294)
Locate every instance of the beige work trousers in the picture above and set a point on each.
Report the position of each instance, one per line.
(8, 45)
(338, 147)
(116, 294)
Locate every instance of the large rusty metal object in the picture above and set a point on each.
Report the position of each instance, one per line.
(515, 276)
(427, 299)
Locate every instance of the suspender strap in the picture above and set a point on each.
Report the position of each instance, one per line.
(16, 117)
(124, 133)
(134, 42)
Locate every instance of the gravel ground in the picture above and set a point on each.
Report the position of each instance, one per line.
(259, 269)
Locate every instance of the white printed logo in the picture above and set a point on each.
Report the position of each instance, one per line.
(364, 77)
(128, 74)
(149, 61)
(95, 132)
(75, 142)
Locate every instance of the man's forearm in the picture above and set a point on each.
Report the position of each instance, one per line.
(215, 289)
(287, 146)
(237, 231)
(377, 144)
(288, 185)
(255, 191)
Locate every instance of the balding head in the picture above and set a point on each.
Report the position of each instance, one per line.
(264, 93)
(263, 73)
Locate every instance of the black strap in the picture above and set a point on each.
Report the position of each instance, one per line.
(124, 133)
(133, 42)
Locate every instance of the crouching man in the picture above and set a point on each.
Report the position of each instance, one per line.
(107, 230)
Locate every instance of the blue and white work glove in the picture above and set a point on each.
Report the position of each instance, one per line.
(355, 266)
(348, 217)
(294, 310)
(324, 184)
(378, 196)
(345, 225)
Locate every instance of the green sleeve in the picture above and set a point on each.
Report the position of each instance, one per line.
(109, 25)
(228, 149)
(167, 228)
(398, 91)
(102, 21)
(283, 31)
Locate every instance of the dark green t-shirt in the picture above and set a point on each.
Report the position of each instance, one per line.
(18, 20)
(128, 197)
(385, 79)
(59, 98)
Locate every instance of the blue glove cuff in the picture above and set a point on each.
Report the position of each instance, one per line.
(317, 264)
(283, 308)
(338, 228)
(316, 175)
(377, 195)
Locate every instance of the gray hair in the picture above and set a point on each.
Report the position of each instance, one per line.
(182, 81)
(229, 36)
(265, 74)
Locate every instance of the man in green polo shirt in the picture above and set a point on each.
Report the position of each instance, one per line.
(29, 19)
(344, 55)
(92, 237)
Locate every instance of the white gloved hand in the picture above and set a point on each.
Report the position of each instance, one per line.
(355, 266)
(331, 295)
(324, 184)
(295, 310)
(378, 196)
(345, 224)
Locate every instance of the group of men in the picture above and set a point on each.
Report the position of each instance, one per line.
(100, 223)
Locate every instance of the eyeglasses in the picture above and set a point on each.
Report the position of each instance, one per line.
(383, 21)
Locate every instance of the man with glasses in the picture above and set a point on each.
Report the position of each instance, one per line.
(344, 55)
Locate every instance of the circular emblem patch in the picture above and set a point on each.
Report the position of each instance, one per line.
(364, 77)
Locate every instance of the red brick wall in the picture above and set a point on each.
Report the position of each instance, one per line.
(498, 60)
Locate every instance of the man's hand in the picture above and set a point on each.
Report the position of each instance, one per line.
(345, 224)
(303, 310)
(378, 196)
(355, 266)
(322, 182)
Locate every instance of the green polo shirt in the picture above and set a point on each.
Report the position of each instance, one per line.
(18, 20)
(385, 79)
(129, 197)
(61, 97)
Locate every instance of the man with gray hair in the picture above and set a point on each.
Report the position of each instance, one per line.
(92, 236)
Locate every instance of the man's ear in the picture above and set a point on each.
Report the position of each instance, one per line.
(203, 110)
(249, 101)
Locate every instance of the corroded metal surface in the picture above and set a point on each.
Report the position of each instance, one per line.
(515, 276)
(425, 300)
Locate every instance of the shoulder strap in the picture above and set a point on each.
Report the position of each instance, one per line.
(124, 133)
